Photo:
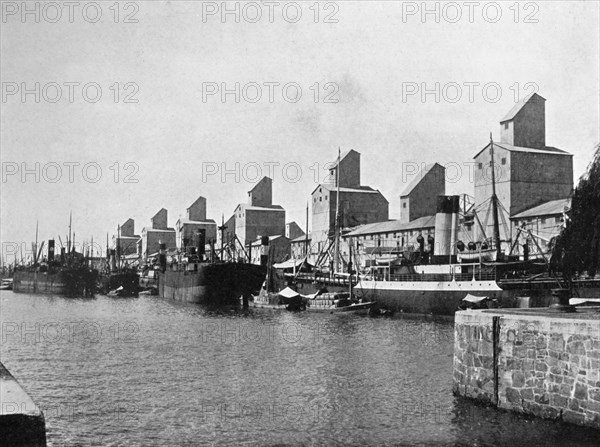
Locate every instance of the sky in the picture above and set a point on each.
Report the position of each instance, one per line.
(115, 110)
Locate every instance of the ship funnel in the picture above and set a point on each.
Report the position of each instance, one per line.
(446, 227)
(51, 250)
(162, 256)
(264, 250)
(201, 242)
(113, 260)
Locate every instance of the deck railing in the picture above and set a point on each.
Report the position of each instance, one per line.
(431, 277)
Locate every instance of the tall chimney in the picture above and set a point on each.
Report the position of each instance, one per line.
(51, 250)
(113, 260)
(201, 243)
(162, 256)
(446, 226)
(264, 253)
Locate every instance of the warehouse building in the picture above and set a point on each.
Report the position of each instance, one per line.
(528, 173)
(359, 204)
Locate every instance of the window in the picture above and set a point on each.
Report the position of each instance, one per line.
(326, 197)
(480, 166)
(503, 160)
(320, 199)
(506, 125)
(558, 219)
(403, 204)
(543, 220)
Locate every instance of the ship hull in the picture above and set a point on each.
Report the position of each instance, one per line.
(308, 285)
(213, 284)
(444, 298)
(80, 284)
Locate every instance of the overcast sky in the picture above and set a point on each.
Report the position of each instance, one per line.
(360, 69)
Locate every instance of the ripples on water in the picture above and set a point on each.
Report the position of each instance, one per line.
(148, 371)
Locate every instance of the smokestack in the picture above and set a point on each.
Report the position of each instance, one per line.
(51, 250)
(162, 256)
(446, 227)
(201, 243)
(264, 251)
(421, 241)
(113, 260)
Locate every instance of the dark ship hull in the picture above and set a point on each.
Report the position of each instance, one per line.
(75, 282)
(212, 283)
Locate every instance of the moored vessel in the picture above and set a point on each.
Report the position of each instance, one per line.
(440, 288)
(192, 278)
(69, 275)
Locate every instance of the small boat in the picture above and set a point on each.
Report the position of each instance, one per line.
(286, 299)
(120, 292)
(7, 284)
(149, 292)
(336, 302)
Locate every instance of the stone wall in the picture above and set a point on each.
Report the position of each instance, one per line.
(531, 361)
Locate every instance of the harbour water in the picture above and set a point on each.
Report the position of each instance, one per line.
(149, 371)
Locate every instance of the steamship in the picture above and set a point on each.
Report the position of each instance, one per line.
(192, 277)
(440, 288)
(70, 275)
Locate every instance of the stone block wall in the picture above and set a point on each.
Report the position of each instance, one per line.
(544, 365)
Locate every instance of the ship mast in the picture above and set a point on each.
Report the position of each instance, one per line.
(69, 238)
(35, 257)
(306, 240)
(495, 203)
(118, 246)
(337, 215)
(222, 229)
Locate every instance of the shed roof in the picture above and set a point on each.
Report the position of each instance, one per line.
(509, 147)
(360, 189)
(302, 238)
(135, 236)
(545, 209)
(392, 226)
(247, 207)
(158, 230)
(185, 220)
